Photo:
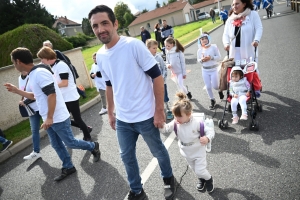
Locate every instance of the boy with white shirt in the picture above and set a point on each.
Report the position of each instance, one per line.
(52, 108)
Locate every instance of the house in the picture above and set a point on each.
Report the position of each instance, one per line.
(205, 6)
(67, 27)
(177, 13)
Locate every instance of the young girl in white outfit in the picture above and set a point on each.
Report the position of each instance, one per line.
(239, 89)
(96, 75)
(175, 61)
(191, 145)
(208, 55)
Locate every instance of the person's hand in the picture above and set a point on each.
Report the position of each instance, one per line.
(93, 75)
(204, 140)
(184, 76)
(226, 48)
(206, 58)
(112, 121)
(159, 118)
(47, 123)
(235, 96)
(10, 87)
(169, 66)
(247, 94)
(21, 103)
(255, 43)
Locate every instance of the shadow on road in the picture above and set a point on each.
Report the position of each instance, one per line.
(223, 194)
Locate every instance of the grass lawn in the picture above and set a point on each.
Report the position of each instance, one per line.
(184, 33)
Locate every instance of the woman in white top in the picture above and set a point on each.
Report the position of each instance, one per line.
(243, 30)
(67, 84)
(34, 119)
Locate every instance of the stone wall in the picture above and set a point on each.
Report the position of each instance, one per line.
(9, 111)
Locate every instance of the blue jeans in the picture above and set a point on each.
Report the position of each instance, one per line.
(166, 98)
(62, 132)
(35, 130)
(127, 134)
(3, 140)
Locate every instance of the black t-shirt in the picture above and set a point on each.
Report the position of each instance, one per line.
(238, 37)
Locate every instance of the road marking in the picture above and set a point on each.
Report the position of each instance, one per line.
(153, 164)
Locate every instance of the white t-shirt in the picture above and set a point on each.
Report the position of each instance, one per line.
(40, 78)
(70, 92)
(124, 65)
(22, 83)
(99, 82)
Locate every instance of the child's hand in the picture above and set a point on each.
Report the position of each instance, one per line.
(235, 96)
(184, 76)
(206, 58)
(204, 140)
(247, 94)
(169, 66)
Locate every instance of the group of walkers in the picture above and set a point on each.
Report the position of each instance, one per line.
(135, 106)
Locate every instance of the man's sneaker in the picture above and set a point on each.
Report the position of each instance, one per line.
(96, 152)
(221, 95)
(170, 187)
(212, 104)
(6, 145)
(32, 155)
(87, 139)
(103, 111)
(201, 184)
(244, 117)
(64, 173)
(210, 185)
(141, 196)
(235, 120)
(189, 95)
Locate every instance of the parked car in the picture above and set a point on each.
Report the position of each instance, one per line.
(203, 15)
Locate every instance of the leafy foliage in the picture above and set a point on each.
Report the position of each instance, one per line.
(157, 5)
(171, 1)
(86, 27)
(14, 13)
(145, 10)
(32, 37)
(78, 40)
(120, 10)
(128, 18)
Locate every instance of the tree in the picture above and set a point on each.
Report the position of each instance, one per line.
(164, 4)
(171, 1)
(145, 10)
(128, 18)
(120, 10)
(86, 27)
(157, 4)
(14, 13)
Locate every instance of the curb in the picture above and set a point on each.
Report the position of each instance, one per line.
(28, 141)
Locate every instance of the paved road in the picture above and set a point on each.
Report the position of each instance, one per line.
(245, 164)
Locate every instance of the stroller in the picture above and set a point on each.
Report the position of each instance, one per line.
(253, 106)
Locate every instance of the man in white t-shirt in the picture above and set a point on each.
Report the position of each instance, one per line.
(52, 108)
(135, 87)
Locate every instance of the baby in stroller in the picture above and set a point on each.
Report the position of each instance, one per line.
(239, 89)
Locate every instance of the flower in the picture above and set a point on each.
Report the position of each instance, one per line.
(237, 22)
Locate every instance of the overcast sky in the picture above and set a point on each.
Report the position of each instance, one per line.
(76, 10)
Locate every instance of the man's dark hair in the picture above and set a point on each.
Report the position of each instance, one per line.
(23, 54)
(103, 8)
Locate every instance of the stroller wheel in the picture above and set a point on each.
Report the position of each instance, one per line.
(260, 109)
(226, 124)
(220, 124)
(253, 126)
(256, 126)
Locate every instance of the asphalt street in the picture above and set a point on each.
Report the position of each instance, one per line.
(244, 164)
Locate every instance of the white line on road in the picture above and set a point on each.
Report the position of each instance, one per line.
(153, 164)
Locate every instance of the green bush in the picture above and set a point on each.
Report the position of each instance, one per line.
(32, 37)
(79, 40)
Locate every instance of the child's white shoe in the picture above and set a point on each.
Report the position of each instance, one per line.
(244, 117)
(235, 120)
(208, 147)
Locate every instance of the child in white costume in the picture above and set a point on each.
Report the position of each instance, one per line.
(175, 61)
(191, 145)
(239, 89)
(99, 83)
(208, 55)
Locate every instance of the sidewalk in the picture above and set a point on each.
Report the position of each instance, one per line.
(28, 141)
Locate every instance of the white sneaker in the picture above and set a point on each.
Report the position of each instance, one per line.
(103, 111)
(32, 155)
